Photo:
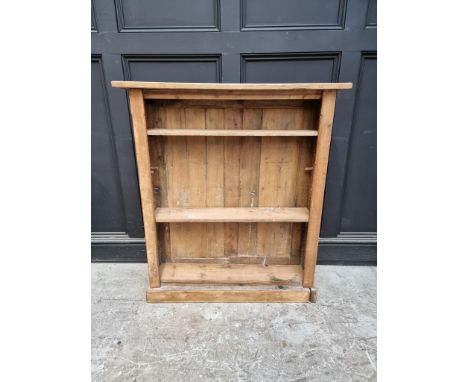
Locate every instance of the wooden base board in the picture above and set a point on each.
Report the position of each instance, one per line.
(246, 274)
(219, 293)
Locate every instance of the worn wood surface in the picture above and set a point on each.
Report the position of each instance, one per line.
(229, 294)
(231, 182)
(137, 108)
(227, 214)
(230, 273)
(232, 172)
(318, 185)
(232, 95)
(234, 133)
(225, 86)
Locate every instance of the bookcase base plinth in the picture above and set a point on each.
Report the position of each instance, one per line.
(231, 293)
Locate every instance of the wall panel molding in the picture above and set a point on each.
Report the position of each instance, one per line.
(360, 173)
(171, 10)
(173, 68)
(338, 21)
(327, 72)
(107, 202)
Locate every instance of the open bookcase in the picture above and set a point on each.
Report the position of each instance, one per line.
(232, 179)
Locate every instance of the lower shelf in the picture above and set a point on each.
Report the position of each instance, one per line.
(196, 273)
(200, 293)
(239, 215)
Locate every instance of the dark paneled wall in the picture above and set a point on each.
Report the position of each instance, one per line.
(236, 41)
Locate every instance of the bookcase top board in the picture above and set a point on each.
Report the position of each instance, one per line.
(223, 91)
(224, 86)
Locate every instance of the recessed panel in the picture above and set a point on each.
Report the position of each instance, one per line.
(360, 192)
(106, 202)
(290, 68)
(292, 14)
(167, 14)
(173, 68)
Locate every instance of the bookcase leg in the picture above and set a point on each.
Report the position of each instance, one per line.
(137, 108)
(319, 176)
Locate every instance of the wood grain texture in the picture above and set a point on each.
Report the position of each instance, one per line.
(233, 133)
(232, 120)
(229, 214)
(227, 86)
(214, 182)
(248, 185)
(194, 273)
(137, 109)
(229, 95)
(318, 185)
(277, 179)
(217, 171)
(195, 294)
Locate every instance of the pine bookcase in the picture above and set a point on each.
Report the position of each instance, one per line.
(232, 180)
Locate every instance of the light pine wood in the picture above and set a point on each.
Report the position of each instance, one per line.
(231, 187)
(227, 214)
(318, 185)
(214, 182)
(233, 133)
(278, 168)
(187, 181)
(225, 86)
(232, 121)
(302, 185)
(233, 294)
(137, 108)
(248, 185)
(195, 273)
(210, 95)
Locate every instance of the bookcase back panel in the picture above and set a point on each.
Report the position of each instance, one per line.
(199, 172)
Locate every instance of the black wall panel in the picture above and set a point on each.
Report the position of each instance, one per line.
(106, 200)
(360, 193)
(201, 68)
(292, 14)
(236, 41)
(147, 15)
(308, 67)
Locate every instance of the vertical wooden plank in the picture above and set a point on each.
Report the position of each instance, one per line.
(249, 175)
(186, 180)
(155, 120)
(137, 109)
(215, 181)
(302, 185)
(319, 176)
(232, 120)
(178, 191)
(197, 164)
(277, 184)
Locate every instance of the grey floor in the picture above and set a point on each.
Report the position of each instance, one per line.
(332, 340)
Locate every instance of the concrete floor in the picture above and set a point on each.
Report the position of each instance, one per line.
(332, 340)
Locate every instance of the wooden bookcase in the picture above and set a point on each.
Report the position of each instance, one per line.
(232, 179)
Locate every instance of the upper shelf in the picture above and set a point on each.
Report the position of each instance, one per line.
(233, 133)
(225, 86)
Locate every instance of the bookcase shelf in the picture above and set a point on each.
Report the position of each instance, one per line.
(238, 215)
(232, 133)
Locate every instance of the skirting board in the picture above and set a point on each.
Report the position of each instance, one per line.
(200, 293)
